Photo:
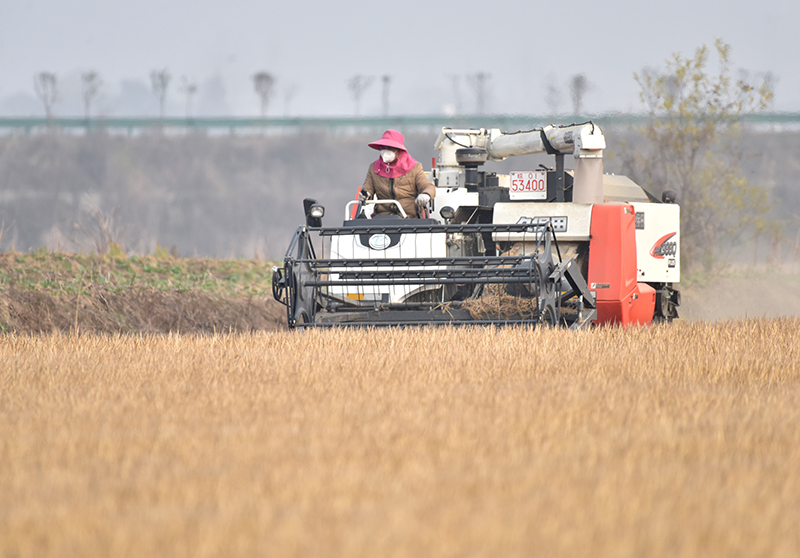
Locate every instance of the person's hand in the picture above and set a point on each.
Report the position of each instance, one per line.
(362, 196)
(423, 199)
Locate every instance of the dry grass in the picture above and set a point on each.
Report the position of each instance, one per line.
(137, 311)
(679, 440)
(495, 304)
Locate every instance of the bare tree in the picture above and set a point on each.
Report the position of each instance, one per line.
(46, 86)
(90, 87)
(478, 84)
(288, 95)
(457, 92)
(553, 95)
(578, 86)
(387, 80)
(159, 80)
(770, 82)
(357, 85)
(188, 88)
(264, 84)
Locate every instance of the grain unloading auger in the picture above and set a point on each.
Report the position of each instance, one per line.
(501, 249)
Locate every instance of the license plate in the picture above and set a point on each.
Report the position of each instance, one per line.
(528, 185)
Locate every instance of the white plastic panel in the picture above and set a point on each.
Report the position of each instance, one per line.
(411, 245)
(572, 221)
(455, 198)
(658, 242)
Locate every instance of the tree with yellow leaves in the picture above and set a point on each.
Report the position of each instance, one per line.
(691, 146)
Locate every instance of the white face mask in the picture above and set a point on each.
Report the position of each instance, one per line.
(388, 155)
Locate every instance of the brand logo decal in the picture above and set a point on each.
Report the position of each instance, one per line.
(379, 241)
(664, 247)
(559, 223)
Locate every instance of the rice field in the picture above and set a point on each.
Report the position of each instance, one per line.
(678, 440)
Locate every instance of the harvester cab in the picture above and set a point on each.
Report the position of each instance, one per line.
(538, 246)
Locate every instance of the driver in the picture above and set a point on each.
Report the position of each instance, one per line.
(395, 175)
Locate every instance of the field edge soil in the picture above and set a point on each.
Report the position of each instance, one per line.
(103, 310)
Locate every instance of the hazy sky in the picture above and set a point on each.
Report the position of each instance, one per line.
(426, 46)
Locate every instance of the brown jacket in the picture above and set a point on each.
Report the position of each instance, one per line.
(406, 189)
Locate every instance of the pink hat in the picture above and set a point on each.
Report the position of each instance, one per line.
(390, 138)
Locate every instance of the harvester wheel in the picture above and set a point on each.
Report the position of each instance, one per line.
(667, 302)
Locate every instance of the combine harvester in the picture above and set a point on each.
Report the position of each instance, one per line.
(547, 246)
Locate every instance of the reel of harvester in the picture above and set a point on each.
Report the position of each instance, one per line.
(392, 272)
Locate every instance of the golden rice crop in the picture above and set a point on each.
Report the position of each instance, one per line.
(679, 440)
